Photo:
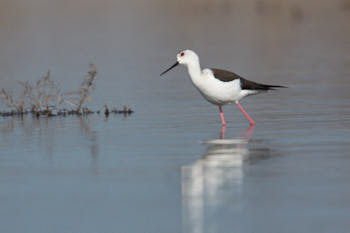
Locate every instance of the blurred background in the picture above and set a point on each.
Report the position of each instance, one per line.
(131, 42)
(154, 170)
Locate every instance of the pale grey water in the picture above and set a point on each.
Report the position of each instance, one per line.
(155, 170)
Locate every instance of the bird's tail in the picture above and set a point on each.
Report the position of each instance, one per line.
(250, 85)
(273, 87)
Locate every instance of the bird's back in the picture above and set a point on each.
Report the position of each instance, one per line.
(228, 76)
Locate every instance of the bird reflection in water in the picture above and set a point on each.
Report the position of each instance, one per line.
(213, 180)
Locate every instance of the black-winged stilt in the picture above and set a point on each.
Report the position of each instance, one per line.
(217, 86)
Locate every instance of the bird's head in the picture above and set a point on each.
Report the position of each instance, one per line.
(185, 57)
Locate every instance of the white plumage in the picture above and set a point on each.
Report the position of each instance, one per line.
(219, 87)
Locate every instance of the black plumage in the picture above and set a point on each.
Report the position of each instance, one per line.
(227, 76)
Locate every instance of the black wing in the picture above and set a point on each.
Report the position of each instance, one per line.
(224, 75)
(227, 76)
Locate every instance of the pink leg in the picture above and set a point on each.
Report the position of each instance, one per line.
(222, 116)
(245, 114)
(222, 133)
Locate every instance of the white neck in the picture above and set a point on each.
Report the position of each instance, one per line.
(195, 71)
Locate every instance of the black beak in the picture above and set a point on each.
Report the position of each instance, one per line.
(169, 68)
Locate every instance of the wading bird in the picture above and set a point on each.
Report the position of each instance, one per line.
(217, 86)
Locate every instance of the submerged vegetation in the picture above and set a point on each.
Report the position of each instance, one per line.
(45, 98)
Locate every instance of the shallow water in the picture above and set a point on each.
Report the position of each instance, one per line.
(165, 168)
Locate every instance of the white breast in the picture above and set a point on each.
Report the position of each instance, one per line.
(216, 91)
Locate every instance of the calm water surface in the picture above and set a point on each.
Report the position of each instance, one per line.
(170, 167)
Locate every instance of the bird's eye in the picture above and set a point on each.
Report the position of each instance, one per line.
(182, 54)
